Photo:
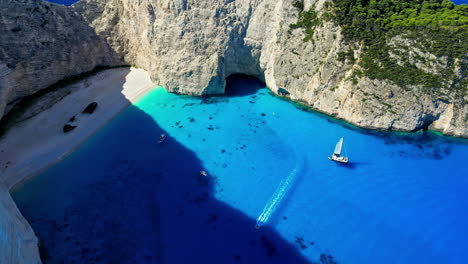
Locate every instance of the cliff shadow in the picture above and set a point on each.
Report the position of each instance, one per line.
(238, 85)
(124, 198)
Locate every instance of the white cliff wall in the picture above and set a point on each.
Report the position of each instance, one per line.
(190, 47)
(42, 43)
(18, 244)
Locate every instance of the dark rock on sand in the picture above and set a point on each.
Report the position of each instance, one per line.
(90, 108)
(67, 128)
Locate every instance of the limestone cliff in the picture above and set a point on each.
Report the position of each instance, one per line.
(18, 244)
(192, 46)
(42, 43)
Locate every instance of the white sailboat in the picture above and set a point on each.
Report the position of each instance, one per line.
(337, 153)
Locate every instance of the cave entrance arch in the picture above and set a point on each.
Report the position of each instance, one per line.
(239, 84)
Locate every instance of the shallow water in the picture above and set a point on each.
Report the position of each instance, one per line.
(124, 198)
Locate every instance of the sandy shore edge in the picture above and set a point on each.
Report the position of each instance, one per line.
(34, 145)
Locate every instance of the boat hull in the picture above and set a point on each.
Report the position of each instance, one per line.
(339, 159)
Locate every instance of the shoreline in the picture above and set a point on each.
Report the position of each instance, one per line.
(364, 129)
(22, 157)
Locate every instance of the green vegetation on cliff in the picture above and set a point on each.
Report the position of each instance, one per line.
(437, 26)
(307, 20)
(372, 21)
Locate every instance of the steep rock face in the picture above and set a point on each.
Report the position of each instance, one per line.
(42, 43)
(188, 47)
(192, 46)
(18, 244)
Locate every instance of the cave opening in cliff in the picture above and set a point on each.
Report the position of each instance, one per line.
(242, 85)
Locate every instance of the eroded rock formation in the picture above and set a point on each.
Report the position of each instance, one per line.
(190, 47)
(42, 43)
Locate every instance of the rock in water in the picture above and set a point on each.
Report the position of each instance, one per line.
(90, 108)
(67, 128)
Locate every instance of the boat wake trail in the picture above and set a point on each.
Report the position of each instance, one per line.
(280, 193)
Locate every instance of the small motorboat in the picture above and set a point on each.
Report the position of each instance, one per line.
(161, 138)
(204, 173)
(337, 153)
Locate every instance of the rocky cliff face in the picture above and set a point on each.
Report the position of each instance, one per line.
(192, 46)
(18, 244)
(42, 43)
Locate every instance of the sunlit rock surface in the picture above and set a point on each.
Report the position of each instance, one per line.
(42, 43)
(190, 47)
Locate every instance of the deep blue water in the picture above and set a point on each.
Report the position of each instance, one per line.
(124, 198)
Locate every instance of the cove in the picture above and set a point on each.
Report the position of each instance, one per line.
(124, 198)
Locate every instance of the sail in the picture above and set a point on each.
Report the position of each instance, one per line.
(338, 147)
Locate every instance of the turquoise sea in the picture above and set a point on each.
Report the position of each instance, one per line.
(124, 198)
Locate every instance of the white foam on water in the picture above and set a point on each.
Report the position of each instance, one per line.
(277, 197)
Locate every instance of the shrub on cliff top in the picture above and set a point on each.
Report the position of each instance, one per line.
(439, 26)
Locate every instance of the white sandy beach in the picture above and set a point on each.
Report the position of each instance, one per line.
(39, 142)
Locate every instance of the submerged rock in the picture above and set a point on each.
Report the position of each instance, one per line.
(301, 243)
(268, 246)
(327, 259)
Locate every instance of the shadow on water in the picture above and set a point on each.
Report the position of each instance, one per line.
(349, 165)
(124, 198)
(237, 85)
(242, 85)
